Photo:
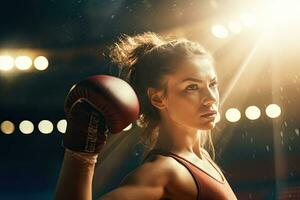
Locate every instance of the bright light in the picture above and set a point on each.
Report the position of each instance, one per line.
(62, 126)
(41, 63)
(248, 19)
(235, 27)
(280, 22)
(233, 115)
(252, 112)
(219, 31)
(23, 62)
(45, 126)
(128, 127)
(283, 11)
(6, 63)
(7, 127)
(26, 127)
(273, 111)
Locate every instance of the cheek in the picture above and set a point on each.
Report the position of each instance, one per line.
(182, 106)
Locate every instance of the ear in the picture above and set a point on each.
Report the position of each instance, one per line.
(156, 98)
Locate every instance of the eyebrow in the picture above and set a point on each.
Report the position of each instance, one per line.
(197, 80)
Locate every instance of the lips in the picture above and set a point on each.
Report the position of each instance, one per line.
(209, 114)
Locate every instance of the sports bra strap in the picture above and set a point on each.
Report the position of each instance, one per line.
(180, 160)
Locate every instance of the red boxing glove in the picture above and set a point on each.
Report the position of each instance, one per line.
(96, 106)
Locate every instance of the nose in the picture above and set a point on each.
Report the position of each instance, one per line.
(210, 98)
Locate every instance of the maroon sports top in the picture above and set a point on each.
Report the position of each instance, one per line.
(209, 188)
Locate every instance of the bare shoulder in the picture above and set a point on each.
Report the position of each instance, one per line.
(156, 171)
(161, 177)
(180, 183)
(148, 181)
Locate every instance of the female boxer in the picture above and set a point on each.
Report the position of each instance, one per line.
(176, 85)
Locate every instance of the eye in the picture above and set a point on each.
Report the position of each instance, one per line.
(192, 87)
(214, 84)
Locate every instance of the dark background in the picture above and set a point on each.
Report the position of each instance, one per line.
(260, 158)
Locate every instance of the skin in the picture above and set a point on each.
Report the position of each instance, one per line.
(191, 91)
(161, 177)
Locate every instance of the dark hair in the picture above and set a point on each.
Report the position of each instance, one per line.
(144, 60)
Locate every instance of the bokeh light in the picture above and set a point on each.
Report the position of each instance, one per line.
(273, 111)
(252, 112)
(6, 63)
(26, 127)
(233, 115)
(23, 62)
(41, 63)
(219, 31)
(45, 126)
(62, 126)
(7, 127)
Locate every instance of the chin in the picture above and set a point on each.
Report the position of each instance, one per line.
(207, 126)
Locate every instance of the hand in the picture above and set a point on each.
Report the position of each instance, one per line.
(96, 106)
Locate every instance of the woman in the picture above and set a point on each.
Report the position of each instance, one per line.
(176, 85)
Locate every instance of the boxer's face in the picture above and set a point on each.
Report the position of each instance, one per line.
(191, 92)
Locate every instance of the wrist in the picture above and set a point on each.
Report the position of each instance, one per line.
(87, 158)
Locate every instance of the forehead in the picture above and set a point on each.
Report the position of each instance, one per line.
(196, 67)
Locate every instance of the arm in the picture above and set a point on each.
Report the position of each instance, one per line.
(75, 178)
(148, 182)
(94, 107)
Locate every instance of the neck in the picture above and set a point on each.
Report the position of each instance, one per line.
(179, 139)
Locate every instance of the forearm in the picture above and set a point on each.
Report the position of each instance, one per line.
(94, 108)
(75, 180)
